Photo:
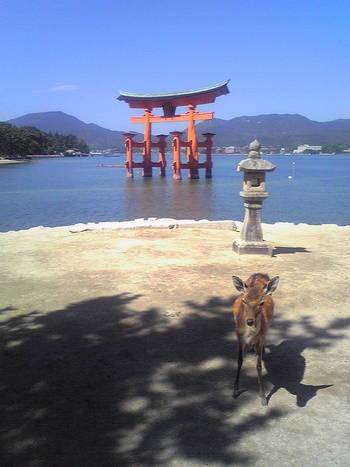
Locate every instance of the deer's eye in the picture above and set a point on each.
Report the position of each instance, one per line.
(261, 303)
(244, 302)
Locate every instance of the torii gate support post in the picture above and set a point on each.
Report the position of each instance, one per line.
(130, 144)
(129, 162)
(208, 145)
(191, 164)
(146, 146)
(161, 145)
(177, 154)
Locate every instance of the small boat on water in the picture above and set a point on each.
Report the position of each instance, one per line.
(111, 165)
(72, 153)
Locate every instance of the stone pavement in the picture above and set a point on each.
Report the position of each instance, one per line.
(118, 348)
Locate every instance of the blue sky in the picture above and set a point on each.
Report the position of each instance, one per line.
(281, 56)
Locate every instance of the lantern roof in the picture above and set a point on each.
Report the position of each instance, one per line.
(255, 162)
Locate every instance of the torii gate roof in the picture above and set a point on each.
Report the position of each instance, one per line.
(194, 97)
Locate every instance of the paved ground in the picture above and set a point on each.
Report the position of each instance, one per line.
(117, 349)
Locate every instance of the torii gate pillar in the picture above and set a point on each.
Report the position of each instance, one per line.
(192, 149)
(147, 169)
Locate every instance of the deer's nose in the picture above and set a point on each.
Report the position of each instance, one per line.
(250, 322)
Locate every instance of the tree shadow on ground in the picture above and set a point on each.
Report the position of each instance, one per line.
(101, 384)
(7, 308)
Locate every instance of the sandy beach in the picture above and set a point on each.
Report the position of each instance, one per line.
(118, 348)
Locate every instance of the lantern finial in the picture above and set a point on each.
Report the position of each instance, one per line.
(255, 147)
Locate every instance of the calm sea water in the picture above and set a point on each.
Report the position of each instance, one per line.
(54, 192)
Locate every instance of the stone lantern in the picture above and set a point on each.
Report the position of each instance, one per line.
(254, 171)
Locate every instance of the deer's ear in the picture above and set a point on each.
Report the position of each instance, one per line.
(272, 285)
(238, 283)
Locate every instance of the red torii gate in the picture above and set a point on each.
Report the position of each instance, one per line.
(169, 102)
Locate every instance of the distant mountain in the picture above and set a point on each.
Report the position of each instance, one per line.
(59, 122)
(272, 130)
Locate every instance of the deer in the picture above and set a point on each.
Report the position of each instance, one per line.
(252, 313)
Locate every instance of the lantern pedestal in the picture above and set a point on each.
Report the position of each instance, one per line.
(252, 248)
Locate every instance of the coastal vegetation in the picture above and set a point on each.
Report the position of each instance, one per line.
(335, 148)
(19, 142)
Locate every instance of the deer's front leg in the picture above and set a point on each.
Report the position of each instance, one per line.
(239, 366)
(259, 351)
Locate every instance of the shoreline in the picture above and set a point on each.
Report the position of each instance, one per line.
(170, 223)
(31, 157)
(13, 161)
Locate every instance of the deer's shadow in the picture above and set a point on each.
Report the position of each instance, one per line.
(285, 366)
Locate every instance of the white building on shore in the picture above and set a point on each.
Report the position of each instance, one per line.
(306, 148)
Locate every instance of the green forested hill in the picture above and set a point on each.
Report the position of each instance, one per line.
(24, 141)
(287, 130)
(59, 122)
(277, 130)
